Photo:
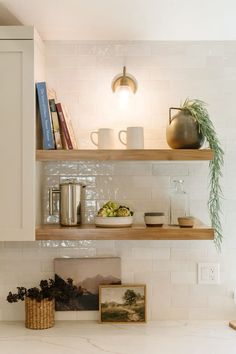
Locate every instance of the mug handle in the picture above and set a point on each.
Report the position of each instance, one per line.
(119, 135)
(92, 139)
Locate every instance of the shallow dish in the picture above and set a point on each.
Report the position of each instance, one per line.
(114, 221)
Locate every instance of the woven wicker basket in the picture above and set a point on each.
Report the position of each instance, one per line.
(39, 315)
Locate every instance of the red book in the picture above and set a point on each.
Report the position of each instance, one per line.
(69, 127)
(64, 127)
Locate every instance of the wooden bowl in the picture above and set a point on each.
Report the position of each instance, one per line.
(186, 221)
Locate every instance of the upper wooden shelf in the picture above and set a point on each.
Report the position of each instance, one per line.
(125, 155)
(136, 232)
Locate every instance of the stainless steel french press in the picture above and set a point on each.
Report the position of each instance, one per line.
(70, 202)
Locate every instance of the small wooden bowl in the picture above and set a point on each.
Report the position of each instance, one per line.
(186, 221)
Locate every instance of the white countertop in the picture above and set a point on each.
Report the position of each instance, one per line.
(163, 337)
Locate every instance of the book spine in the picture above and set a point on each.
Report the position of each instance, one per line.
(70, 127)
(46, 123)
(64, 126)
(55, 123)
(63, 140)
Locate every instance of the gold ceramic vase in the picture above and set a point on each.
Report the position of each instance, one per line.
(183, 131)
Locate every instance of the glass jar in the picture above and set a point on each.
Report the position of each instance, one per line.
(179, 202)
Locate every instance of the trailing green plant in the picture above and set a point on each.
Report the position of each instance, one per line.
(48, 289)
(197, 109)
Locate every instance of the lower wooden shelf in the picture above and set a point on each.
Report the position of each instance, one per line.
(136, 232)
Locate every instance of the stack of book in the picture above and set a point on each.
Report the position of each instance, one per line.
(56, 126)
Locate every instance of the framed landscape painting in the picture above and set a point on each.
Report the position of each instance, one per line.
(122, 303)
(87, 274)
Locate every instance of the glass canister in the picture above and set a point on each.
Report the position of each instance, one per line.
(179, 201)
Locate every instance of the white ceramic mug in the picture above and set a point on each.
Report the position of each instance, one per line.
(105, 138)
(134, 137)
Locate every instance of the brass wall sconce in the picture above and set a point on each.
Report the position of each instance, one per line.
(124, 84)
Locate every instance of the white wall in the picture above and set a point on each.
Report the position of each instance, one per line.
(167, 72)
(126, 20)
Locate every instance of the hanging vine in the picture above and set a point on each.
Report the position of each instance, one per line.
(197, 109)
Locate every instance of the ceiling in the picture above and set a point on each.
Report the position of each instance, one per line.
(124, 19)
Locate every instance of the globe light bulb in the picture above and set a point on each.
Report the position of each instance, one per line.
(123, 92)
(124, 85)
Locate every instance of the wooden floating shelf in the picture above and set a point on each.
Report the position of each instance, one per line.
(136, 232)
(126, 155)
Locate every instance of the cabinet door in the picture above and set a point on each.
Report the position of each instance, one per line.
(17, 140)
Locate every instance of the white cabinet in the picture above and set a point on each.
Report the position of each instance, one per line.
(17, 139)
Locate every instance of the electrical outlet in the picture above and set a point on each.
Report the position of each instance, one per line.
(208, 273)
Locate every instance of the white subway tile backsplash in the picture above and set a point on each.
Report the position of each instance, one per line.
(178, 254)
(170, 169)
(131, 192)
(178, 313)
(127, 277)
(137, 265)
(19, 267)
(161, 253)
(61, 48)
(178, 265)
(116, 61)
(95, 168)
(11, 253)
(152, 278)
(169, 48)
(77, 252)
(139, 49)
(52, 168)
(13, 312)
(97, 49)
(68, 168)
(105, 252)
(207, 290)
(66, 61)
(132, 169)
(150, 253)
(180, 295)
(183, 277)
(47, 266)
(140, 253)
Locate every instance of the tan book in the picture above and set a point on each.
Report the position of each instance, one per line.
(55, 124)
(64, 144)
(51, 94)
(232, 324)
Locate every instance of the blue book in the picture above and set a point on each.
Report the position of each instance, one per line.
(45, 117)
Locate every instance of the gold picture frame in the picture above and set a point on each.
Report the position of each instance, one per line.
(126, 303)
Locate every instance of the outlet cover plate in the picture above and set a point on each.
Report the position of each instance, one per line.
(208, 273)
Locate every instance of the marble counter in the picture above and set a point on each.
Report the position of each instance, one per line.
(164, 337)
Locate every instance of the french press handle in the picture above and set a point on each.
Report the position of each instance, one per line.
(52, 191)
(172, 108)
